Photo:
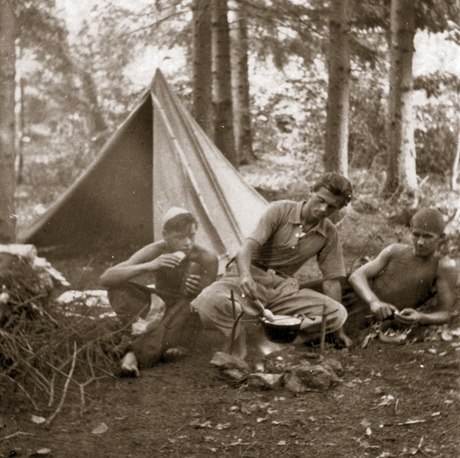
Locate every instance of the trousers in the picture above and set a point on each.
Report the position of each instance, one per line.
(179, 326)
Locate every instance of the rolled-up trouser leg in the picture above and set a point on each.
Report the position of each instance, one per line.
(309, 304)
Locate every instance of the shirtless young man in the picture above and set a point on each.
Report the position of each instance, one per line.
(167, 264)
(402, 278)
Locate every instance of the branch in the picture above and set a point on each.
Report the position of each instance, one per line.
(66, 386)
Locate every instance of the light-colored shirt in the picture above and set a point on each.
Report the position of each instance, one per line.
(284, 247)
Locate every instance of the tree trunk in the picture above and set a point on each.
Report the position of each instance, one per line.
(97, 122)
(455, 164)
(201, 52)
(336, 148)
(22, 131)
(222, 84)
(7, 124)
(240, 86)
(401, 171)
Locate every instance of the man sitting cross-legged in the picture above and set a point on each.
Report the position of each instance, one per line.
(180, 269)
(287, 235)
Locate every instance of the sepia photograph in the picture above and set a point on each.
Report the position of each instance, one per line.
(229, 228)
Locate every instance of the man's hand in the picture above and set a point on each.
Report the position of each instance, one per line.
(409, 316)
(165, 260)
(193, 284)
(248, 286)
(382, 310)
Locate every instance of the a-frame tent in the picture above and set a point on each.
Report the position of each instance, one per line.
(158, 158)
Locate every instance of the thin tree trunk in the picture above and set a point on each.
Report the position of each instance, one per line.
(201, 52)
(222, 84)
(336, 149)
(97, 122)
(22, 133)
(455, 164)
(401, 171)
(240, 86)
(7, 121)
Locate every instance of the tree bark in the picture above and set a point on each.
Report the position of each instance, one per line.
(97, 122)
(7, 121)
(455, 164)
(201, 54)
(240, 86)
(401, 171)
(222, 84)
(336, 148)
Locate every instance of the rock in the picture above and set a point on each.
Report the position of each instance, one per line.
(293, 383)
(334, 365)
(267, 381)
(310, 377)
(233, 375)
(225, 361)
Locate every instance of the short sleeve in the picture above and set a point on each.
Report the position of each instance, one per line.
(268, 223)
(330, 258)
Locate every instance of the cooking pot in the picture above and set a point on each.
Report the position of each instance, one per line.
(283, 328)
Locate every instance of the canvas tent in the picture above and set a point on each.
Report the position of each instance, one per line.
(158, 158)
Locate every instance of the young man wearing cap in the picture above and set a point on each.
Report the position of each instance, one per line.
(402, 278)
(179, 269)
(262, 275)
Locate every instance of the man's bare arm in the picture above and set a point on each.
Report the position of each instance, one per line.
(147, 259)
(243, 261)
(359, 280)
(445, 288)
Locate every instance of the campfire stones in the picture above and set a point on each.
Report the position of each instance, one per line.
(232, 368)
(310, 377)
(283, 371)
(265, 381)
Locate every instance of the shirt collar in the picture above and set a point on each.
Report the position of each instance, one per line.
(296, 218)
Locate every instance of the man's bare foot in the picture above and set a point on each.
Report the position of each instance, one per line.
(342, 340)
(129, 366)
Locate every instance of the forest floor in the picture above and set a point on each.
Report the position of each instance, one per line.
(391, 401)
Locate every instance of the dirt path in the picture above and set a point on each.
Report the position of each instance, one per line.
(392, 401)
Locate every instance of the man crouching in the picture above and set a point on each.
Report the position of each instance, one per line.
(179, 269)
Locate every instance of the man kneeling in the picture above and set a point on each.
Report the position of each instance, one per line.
(180, 269)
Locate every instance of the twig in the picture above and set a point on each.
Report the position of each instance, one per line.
(29, 397)
(323, 330)
(419, 448)
(66, 386)
(235, 323)
(51, 400)
(17, 433)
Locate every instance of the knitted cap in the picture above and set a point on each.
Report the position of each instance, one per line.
(171, 213)
(428, 219)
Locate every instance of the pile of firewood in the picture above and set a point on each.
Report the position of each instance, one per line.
(46, 354)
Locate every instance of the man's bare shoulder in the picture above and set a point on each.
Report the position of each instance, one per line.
(151, 250)
(394, 250)
(447, 265)
(203, 253)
